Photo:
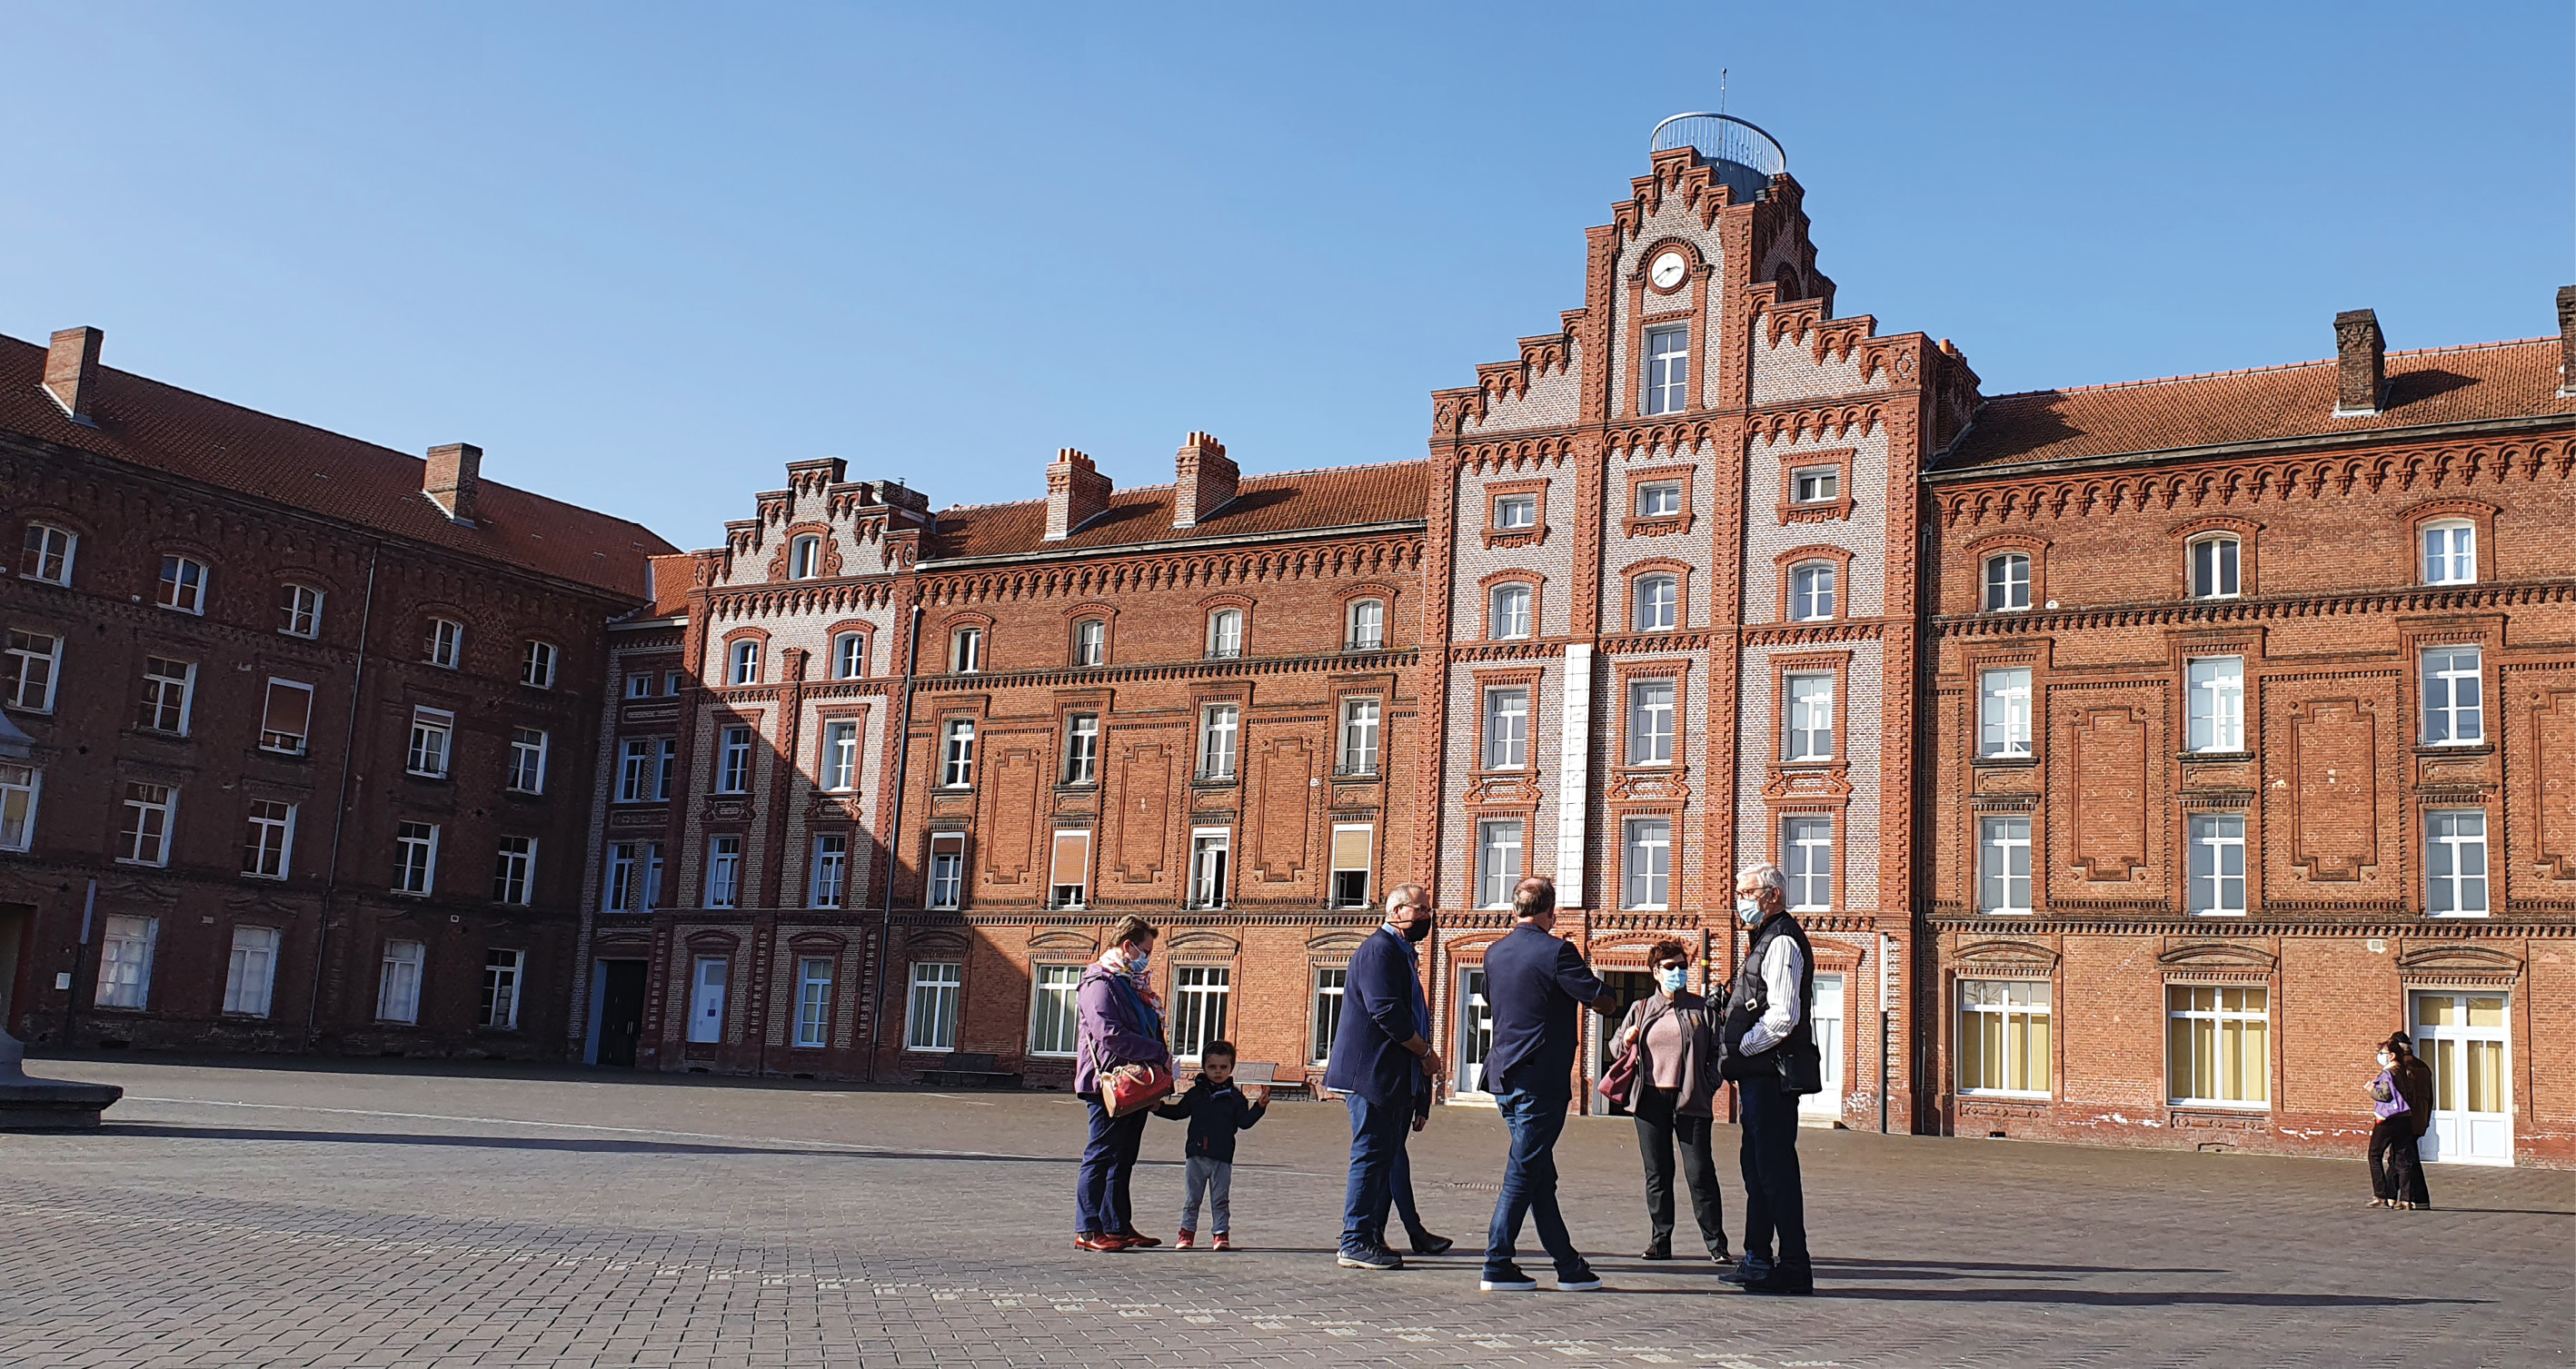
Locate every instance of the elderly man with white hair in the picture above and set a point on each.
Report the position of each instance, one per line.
(1768, 1047)
(1382, 1063)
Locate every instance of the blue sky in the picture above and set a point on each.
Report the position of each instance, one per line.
(644, 255)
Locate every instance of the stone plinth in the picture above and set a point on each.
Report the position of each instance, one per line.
(46, 1104)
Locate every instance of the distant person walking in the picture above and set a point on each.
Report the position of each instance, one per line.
(1675, 1039)
(1119, 1022)
(2402, 1100)
(1534, 982)
(1382, 1059)
(1768, 1048)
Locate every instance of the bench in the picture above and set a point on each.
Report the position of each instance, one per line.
(970, 1070)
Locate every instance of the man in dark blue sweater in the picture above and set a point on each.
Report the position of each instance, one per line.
(1216, 1110)
(1534, 983)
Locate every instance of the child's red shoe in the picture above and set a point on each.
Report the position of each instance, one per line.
(1189, 1240)
(1223, 1242)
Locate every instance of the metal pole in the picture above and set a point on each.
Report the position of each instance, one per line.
(894, 840)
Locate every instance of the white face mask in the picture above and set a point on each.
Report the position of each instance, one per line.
(2386, 1060)
(1747, 911)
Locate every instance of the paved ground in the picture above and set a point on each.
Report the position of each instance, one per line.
(378, 1217)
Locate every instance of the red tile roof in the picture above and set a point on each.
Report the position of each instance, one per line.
(179, 433)
(2440, 385)
(1295, 501)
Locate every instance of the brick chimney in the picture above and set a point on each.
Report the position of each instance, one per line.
(71, 371)
(453, 473)
(1076, 493)
(1203, 480)
(2361, 363)
(2567, 339)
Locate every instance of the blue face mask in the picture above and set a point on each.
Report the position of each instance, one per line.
(1140, 963)
(1673, 977)
(1747, 911)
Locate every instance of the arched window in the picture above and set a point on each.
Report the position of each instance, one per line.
(537, 665)
(1090, 642)
(1811, 592)
(849, 655)
(446, 646)
(805, 557)
(2007, 582)
(1658, 607)
(2450, 552)
(1225, 634)
(2213, 568)
(183, 584)
(743, 666)
(966, 651)
(1511, 612)
(1367, 631)
(47, 554)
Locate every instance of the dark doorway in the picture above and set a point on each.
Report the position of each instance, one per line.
(621, 1011)
(1626, 987)
(17, 935)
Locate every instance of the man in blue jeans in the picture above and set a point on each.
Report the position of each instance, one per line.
(1381, 1059)
(1533, 984)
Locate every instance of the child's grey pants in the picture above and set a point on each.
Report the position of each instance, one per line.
(1214, 1179)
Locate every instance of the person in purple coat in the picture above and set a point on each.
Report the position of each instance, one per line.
(1119, 1023)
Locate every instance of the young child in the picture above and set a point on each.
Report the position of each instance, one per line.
(1216, 1110)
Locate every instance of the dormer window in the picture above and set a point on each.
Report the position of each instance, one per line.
(2213, 568)
(1090, 642)
(743, 663)
(2007, 582)
(1510, 613)
(805, 557)
(2451, 552)
(1225, 634)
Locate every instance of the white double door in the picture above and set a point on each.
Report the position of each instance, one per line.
(2463, 1035)
(1826, 1108)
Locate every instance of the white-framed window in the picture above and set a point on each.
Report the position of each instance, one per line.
(268, 838)
(1511, 612)
(125, 961)
(46, 554)
(1069, 870)
(299, 610)
(1811, 591)
(635, 770)
(1811, 718)
(849, 655)
(415, 858)
(1090, 642)
(1647, 862)
(1359, 737)
(144, 838)
(2007, 582)
(169, 689)
(250, 978)
(2003, 712)
(742, 662)
(2004, 1037)
(1354, 858)
(1816, 485)
(1515, 512)
(724, 871)
(841, 755)
(1367, 630)
(666, 767)
(1082, 749)
(433, 731)
(1659, 499)
(514, 870)
(640, 685)
(1807, 848)
(1210, 850)
(35, 661)
(813, 1002)
(957, 762)
(2213, 568)
(1219, 729)
(1507, 728)
(966, 651)
(805, 557)
(618, 895)
(1498, 862)
(20, 786)
(502, 970)
(947, 869)
(2450, 552)
(830, 879)
(2454, 712)
(2003, 865)
(2218, 1044)
(733, 761)
(2216, 686)
(1200, 996)
(446, 645)
(708, 976)
(1055, 1017)
(930, 1018)
(2455, 862)
(1332, 983)
(528, 760)
(537, 665)
(1667, 370)
(183, 584)
(2217, 864)
(652, 874)
(286, 717)
(1659, 603)
(1225, 634)
(1650, 722)
(398, 982)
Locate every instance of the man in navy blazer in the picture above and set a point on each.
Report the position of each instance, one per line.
(1534, 983)
(1381, 1056)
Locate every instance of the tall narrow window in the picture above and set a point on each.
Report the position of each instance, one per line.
(1659, 604)
(1648, 862)
(841, 755)
(527, 760)
(813, 1002)
(1498, 862)
(1209, 849)
(1201, 994)
(1090, 642)
(537, 665)
(1506, 729)
(2450, 552)
(1807, 844)
(957, 762)
(1811, 592)
(432, 731)
(501, 972)
(2003, 1036)
(1218, 730)
(446, 646)
(708, 977)
(1082, 749)
(948, 869)
(2453, 697)
(1667, 370)
(1650, 722)
(34, 662)
(1055, 1017)
(299, 610)
(169, 687)
(1332, 984)
(1069, 870)
(2007, 582)
(1367, 627)
(619, 894)
(125, 961)
(966, 651)
(144, 837)
(1353, 859)
(805, 557)
(2004, 712)
(251, 976)
(514, 871)
(930, 1023)
(415, 858)
(2455, 862)
(2003, 865)
(1359, 737)
(2216, 685)
(19, 785)
(286, 717)
(2217, 1041)
(1811, 718)
(2217, 864)
(2213, 568)
(1225, 634)
(724, 871)
(849, 655)
(183, 584)
(733, 761)
(46, 553)
(831, 870)
(268, 838)
(398, 983)
(743, 666)
(1511, 612)
(635, 770)
(666, 767)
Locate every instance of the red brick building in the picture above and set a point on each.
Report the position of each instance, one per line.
(311, 723)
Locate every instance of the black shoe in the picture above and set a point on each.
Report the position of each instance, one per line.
(1752, 1267)
(1506, 1279)
(1785, 1280)
(1657, 1252)
(1582, 1280)
(1371, 1257)
(1721, 1257)
(1428, 1244)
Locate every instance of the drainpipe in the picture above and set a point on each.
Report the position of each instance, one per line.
(340, 815)
(894, 839)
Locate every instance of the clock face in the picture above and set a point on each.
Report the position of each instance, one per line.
(1668, 270)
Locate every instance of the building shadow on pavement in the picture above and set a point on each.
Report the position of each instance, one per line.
(574, 1145)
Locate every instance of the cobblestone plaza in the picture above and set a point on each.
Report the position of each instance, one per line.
(350, 1216)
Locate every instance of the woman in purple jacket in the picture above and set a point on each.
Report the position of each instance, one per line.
(1120, 1023)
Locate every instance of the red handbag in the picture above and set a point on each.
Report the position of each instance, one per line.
(1131, 1088)
(1619, 1082)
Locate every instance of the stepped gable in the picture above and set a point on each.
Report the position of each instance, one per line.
(180, 433)
(2495, 380)
(1292, 502)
